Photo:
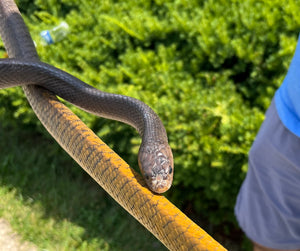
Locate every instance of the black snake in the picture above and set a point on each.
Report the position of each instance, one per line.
(25, 69)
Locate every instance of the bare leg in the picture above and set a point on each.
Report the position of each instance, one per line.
(257, 247)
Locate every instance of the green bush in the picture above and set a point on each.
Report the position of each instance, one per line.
(208, 68)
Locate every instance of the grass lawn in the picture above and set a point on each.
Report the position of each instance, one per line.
(50, 201)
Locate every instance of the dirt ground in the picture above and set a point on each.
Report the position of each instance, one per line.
(9, 240)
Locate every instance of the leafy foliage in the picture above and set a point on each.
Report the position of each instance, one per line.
(208, 68)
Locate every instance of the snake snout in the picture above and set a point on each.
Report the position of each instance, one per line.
(156, 164)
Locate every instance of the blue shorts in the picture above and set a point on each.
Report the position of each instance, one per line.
(268, 204)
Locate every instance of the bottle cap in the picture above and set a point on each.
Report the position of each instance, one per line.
(47, 37)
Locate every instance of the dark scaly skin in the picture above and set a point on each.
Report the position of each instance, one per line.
(155, 212)
(155, 156)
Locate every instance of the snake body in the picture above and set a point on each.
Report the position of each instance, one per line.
(25, 69)
(154, 211)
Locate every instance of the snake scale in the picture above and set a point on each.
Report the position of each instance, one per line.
(155, 156)
(174, 229)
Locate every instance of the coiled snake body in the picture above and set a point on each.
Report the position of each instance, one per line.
(155, 212)
(24, 69)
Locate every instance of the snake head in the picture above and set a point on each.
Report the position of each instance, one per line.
(156, 165)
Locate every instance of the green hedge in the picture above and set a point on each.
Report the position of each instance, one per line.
(208, 68)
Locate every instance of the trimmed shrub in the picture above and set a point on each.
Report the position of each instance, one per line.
(208, 68)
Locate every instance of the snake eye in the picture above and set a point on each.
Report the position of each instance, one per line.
(170, 169)
(147, 176)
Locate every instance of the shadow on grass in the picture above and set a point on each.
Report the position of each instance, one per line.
(42, 172)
